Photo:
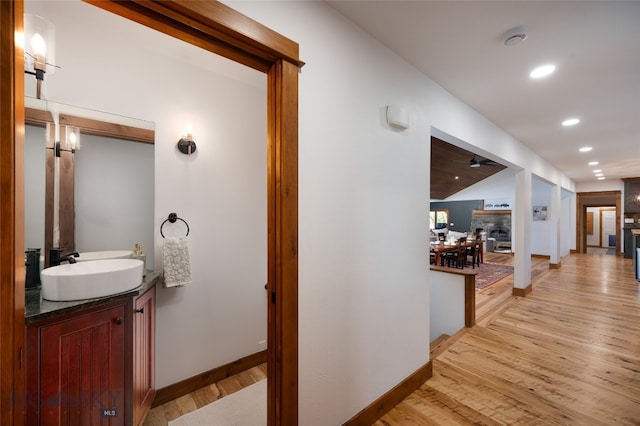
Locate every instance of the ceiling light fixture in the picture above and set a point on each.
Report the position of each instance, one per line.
(585, 149)
(597, 171)
(570, 122)
(543, 71)
(601, 178)
(515, 35)
(593, 163)
(599, 174)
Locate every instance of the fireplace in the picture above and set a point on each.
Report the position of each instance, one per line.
(502, 235)
(496, 225)
(499, 233)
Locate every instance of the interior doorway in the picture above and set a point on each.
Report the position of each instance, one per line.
(601, 230)
(601, 227)
(221, 30)
(596, 230)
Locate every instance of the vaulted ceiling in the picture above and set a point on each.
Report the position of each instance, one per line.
(451, 169)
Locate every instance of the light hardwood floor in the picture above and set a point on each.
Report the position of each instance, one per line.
(568, 353)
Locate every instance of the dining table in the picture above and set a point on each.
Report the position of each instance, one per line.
(439, 247)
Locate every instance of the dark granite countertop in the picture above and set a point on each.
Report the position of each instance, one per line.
(38, 309)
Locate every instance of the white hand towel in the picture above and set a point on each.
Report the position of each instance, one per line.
(175, 261)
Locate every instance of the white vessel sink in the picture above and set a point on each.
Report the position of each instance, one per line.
(103, 255)
(88, 280)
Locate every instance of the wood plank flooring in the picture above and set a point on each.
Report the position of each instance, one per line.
(568, 353)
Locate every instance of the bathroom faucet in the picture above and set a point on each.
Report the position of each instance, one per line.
(55, 256)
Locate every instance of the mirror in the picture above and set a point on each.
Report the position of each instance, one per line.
(96, 196)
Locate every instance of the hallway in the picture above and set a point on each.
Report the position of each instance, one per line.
(569, 353)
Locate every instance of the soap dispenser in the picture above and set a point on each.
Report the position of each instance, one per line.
(138, 254)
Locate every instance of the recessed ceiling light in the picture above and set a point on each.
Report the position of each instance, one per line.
(593, 163)
(585, 149)
(601, 178)
(599, 174)
(457, 177)
(570, 122)
(597, 171)
(542, 71)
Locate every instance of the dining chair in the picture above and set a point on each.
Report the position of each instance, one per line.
(474, 251)
(458, 258)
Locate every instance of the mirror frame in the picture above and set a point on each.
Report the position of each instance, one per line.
(223, 31)
(38, 117)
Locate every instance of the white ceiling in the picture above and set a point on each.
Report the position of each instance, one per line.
(595, 46)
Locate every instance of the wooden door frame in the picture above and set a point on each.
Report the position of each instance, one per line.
(12, 268)
(582, 202)
(223, 31)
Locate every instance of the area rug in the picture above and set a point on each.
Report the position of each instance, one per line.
(246, 407)
(490, 273)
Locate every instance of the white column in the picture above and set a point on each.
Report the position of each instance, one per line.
(555, 215)
(521, 219)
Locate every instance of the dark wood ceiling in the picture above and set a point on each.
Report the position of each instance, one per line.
(451, 171)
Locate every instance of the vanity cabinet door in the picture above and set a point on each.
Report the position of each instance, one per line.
(82, 369)
(143, 354)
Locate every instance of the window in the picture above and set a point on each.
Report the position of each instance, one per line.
(438, 219)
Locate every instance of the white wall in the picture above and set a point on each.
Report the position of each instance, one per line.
(501, 185)
(567, 222)
(109, 65)
(363, 197)
(446, 304)
(541, 229)
(601, 185)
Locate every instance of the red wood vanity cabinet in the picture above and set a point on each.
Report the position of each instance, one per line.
(92, 366)
(144, 325)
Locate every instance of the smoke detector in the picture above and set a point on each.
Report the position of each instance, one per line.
(515, 35)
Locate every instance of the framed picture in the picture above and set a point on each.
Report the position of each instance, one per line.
(539, 212)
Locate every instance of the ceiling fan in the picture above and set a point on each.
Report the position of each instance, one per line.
(477, 162)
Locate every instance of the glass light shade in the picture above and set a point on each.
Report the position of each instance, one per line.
(72, 138)
(39, 43)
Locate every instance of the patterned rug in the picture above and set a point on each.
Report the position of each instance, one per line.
(490, 273)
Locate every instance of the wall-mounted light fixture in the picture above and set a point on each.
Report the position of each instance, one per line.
(39, 48)
(71, 142)
(186, 144)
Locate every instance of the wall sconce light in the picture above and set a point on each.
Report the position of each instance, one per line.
(187, 145)
(72, 141)
(39, 48)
